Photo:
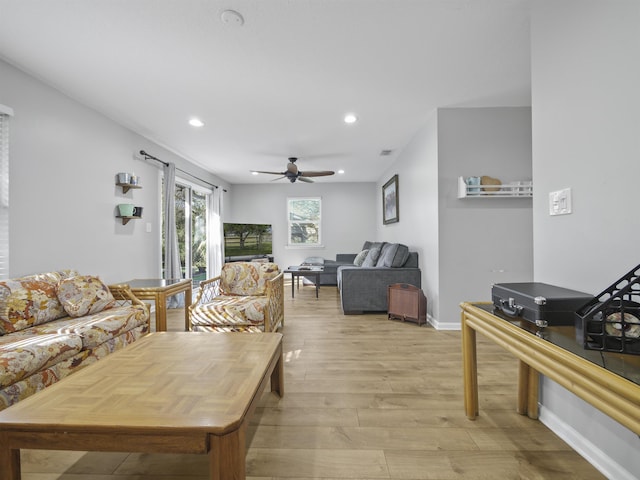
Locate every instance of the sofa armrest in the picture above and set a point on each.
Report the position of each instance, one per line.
(124, 296)
(346, 257)
(208, 290)
(274, 312)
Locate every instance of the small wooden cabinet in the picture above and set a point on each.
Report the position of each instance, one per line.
(407, 302)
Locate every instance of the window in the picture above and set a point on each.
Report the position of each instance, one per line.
(5, 112)
(304, 217)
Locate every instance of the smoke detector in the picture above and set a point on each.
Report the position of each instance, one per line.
(232, 18)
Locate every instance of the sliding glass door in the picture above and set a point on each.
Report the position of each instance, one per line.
(191, 227)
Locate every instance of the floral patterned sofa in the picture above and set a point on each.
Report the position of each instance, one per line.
(246, 297)
(53, 324)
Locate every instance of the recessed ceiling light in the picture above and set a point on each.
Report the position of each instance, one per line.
(350, 118)
(340, 172)
(196, 122)
(254, 173)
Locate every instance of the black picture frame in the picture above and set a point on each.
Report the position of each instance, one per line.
(390, 205)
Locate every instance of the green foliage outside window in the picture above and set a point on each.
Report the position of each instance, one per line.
(304, 216)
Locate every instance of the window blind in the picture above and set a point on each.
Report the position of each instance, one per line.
(5, 113)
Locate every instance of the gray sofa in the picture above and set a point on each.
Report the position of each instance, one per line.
(363, 278)
(329, 276)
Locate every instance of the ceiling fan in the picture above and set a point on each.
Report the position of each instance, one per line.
(292, 173)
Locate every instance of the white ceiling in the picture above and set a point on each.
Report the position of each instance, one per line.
(280, 84)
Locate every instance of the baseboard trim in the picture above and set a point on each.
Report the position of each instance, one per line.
(589, 451)
(442, 325)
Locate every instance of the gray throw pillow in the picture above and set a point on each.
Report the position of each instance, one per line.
(393, 255)
(360, 258)
(372, 257)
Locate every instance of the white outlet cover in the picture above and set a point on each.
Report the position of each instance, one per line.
(560, 202)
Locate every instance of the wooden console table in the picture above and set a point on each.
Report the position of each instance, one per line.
(555, 353)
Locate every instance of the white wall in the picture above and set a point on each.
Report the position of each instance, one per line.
(348, 215)
(465, 245)
(63, 161)
(586, 135)
(418, 227)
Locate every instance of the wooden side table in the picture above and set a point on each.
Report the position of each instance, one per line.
(407, 302)
(158, 289)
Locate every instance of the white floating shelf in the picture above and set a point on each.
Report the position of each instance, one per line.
(523, 189)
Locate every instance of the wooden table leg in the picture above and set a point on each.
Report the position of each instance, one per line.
(532, 393)
(470, 370)
(9, 459)
(293, 281)
(317, 284)
(523, 388)
(277, 376)
(227, 455)
(187, 303)
(161, 312)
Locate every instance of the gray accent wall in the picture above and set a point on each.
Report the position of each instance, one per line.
(465, 245)
(586, 136)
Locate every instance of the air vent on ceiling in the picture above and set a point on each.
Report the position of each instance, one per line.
(385, 153)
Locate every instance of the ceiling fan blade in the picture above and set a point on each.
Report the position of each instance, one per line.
(279, 178)
(323, 173)
(304, 179)
(270, 173)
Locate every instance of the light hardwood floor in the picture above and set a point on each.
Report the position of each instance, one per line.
(366, 398)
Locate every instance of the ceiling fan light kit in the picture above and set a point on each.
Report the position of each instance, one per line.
(292, 173)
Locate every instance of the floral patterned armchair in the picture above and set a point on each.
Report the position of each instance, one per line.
(246, 297)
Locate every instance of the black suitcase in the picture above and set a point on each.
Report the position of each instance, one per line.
(539, 303)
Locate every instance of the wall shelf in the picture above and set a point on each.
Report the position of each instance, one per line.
(127, 186)
(523, 189)
(125, 220)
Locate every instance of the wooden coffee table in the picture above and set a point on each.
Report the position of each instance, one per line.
(170, 392)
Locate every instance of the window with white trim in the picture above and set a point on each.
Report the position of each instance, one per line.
(5, 114)
(304, 215)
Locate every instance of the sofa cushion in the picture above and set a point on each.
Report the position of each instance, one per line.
(247, 278)
(359, 260)
(393, 255)
(22, 354)
(99, 327)
(372, 257)
(30, 300)
(84, 295)
(230, 310)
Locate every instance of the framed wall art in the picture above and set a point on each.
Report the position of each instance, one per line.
(390, 208)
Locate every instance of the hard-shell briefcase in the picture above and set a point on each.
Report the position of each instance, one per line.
(539, 303)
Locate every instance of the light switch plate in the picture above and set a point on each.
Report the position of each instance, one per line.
(560, 202)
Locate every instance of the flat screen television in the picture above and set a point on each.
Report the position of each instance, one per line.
(247, 241)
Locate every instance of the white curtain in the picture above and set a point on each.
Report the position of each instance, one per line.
(172, 267)
(4, 191)
(214, 233)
